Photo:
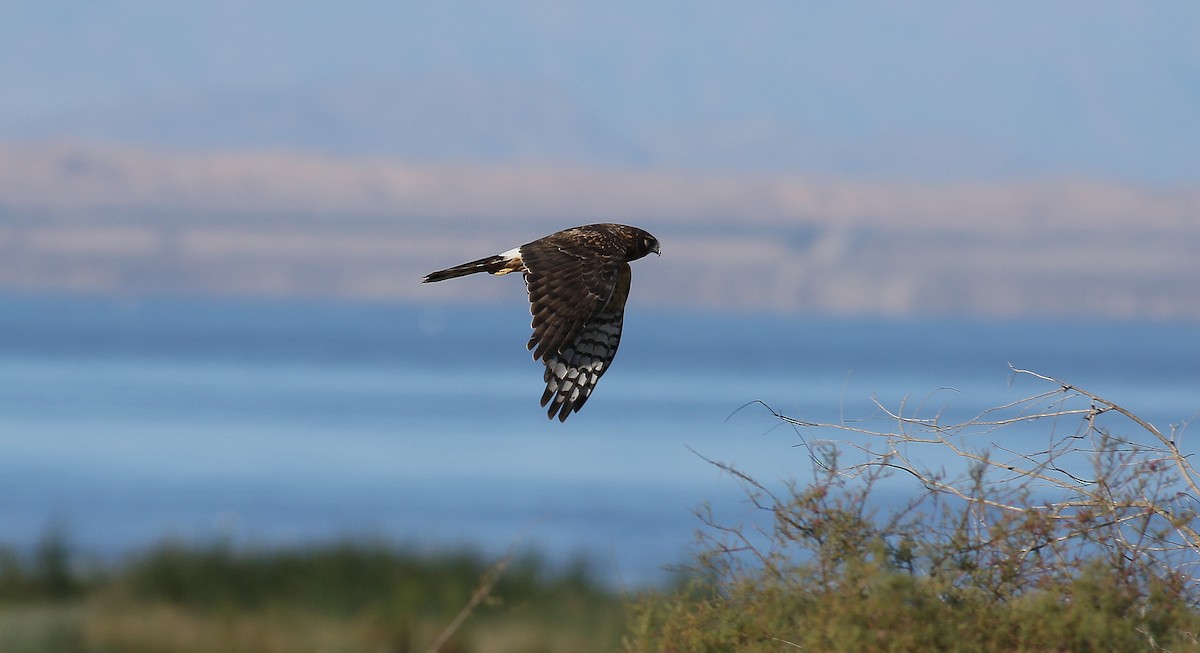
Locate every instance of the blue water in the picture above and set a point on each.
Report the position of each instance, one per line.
(274, 423)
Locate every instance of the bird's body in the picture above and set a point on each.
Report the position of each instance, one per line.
(578, 281)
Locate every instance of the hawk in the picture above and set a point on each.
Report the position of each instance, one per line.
(578, 281)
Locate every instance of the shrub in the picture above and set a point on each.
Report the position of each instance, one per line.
(1084, 545)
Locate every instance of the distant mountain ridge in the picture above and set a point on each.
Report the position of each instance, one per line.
(276, 223)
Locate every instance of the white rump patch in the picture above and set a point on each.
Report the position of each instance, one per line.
(511, 254)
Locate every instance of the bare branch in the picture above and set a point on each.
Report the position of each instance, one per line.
(1084, 490)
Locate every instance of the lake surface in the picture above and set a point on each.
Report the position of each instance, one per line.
(277, 423)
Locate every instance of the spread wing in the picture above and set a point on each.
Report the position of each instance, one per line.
(572, 372)
(570, 277)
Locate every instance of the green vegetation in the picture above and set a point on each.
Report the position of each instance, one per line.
(1087, 544)
(349, 596)
(832, 575)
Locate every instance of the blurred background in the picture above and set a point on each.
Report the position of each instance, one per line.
(214, 219)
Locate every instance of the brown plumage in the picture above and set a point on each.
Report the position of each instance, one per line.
(578, 281)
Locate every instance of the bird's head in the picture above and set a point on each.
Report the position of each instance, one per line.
(642, 244)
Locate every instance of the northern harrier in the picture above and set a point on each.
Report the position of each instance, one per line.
(578, 281)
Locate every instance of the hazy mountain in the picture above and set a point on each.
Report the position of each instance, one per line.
(137, 222)
(1007, 158)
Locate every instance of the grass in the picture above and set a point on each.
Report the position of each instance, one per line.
(854, 590)
(831, 575)
(343, 596)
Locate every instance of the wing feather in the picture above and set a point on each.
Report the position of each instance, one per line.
(573, 372)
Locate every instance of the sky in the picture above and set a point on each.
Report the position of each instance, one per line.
(933, 90)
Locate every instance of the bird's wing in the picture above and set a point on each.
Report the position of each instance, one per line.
(570, 277)
(572, 372)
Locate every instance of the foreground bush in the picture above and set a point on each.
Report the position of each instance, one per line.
(1085, 544)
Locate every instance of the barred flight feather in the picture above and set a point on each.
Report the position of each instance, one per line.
(573, 373)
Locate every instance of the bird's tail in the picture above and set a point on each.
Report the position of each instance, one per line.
(491, 265)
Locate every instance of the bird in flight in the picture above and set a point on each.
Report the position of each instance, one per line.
(578, 281)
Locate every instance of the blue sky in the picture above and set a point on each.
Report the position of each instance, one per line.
(929, 90)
